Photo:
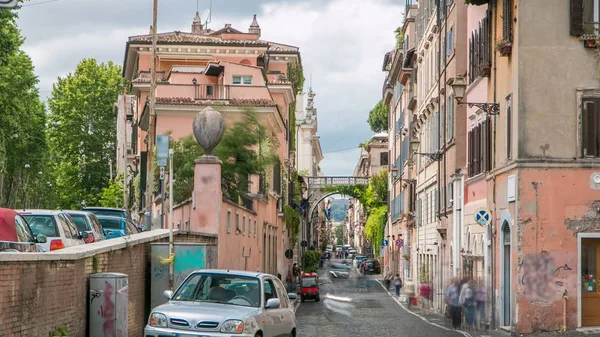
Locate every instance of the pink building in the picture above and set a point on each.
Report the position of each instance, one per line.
(232, 71)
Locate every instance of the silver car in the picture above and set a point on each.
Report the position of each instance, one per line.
(211, 303)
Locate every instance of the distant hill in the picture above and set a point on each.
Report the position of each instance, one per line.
(338, 209)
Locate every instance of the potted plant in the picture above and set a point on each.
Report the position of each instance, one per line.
(476, 2)
(504, 47)
(61, 331)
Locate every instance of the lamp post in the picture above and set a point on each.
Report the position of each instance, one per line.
(435, 156)
(459, 87)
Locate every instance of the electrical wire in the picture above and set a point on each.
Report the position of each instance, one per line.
(39, 3)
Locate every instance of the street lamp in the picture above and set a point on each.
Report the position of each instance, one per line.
(435, 156)
(459, 87)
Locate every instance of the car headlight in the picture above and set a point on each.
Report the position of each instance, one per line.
(158, 320)
(232, 326)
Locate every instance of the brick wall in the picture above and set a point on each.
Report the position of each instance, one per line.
(40, 292)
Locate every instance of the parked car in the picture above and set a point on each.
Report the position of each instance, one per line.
(338, 270)
(57, 226)
(372, 266)
(358, 260)
(206, 304)
(15, 234)
(114, 227)
(118, 212)
(87, 222)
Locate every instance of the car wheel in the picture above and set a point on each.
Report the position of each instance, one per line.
(258, 334)
(317, 299)
(293, 333)
(301, 299)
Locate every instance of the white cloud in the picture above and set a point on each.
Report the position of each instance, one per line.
(342, 44)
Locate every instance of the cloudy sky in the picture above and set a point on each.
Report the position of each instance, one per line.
(342, 43)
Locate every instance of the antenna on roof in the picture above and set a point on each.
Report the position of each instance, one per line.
(207, 16)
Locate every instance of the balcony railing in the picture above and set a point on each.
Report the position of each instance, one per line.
(211, 91)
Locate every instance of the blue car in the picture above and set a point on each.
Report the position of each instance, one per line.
(114, 227)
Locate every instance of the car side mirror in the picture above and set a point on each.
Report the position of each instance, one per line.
(292, 296)
(41, 238)
(272, 303)
(84, 235)
(168, 294)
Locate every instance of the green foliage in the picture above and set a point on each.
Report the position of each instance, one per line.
(339, 235)
(292, 222)
(375, 226)
(246, 148)
(61, 331)
(295, 74)
(112, 195)
(378, 117)
(399, 33)
(424, 276)
(23, 147)
(293, 125)
(82, 131)
(311, 261)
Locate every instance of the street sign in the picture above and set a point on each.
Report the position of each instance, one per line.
(384, 243)
(289, 254)
(382, 251)
(369, 249)
(9, 3)
(483, 216)
(399, 243)
(304, 243)
(162, 149)
(162, 173)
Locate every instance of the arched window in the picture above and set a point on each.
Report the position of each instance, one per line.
(246, 62)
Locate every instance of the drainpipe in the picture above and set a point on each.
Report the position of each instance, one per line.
(495, 222)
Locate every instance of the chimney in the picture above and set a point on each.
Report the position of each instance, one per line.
(254, 27)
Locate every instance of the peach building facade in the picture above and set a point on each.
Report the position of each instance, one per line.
(231, 71)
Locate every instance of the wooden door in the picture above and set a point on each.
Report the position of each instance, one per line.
(590, 293)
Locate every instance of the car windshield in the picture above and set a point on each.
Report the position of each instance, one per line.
(309, 281)
(42, 224)
(108, 212)
(220, 288)
(110, 223)
(81, 222)
(372, 263)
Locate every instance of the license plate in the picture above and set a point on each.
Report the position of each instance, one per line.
(186, 335)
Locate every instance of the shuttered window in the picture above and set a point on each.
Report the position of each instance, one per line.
(576, 13)
(479, 148)
(591, 127)
(479, 50)
(507, 18)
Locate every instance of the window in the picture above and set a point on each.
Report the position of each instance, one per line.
(585, 17)
(480, 148)
(383, 158)
(23, 233)
(228, 220)
(450, 191)
(450, 117)
(255, 228)
(67, 229)
(237, 223)
(479, 50)
(507, 18)
(270, 291)
(243, 224)
(242, 80)
(435, 131)
(591, 127)
(450, 41)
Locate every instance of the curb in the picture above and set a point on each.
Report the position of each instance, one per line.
(464, 333)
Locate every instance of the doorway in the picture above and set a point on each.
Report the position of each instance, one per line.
(590, 292)
(506, 317)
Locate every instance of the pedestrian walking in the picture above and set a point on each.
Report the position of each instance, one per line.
(388, 280)
(452, 296)
(397, 284)
(467, 302)
(480, 299)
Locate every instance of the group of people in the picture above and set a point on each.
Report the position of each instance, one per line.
(465, 299)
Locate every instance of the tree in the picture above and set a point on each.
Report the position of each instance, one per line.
(246, 148)
(112, 195)
(23, 153)
(82, 131)
(339, 235)
(378, 117)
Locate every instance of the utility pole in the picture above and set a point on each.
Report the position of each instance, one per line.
(151, 127)
(171, 250)
(125, 199)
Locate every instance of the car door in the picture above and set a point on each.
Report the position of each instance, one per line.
(24, 235)
(275, 316)
(96, 227)
(70, 233)
(289, 315)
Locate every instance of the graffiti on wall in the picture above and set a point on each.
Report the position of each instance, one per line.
(540, 278)
(107, 311)
(188, 259)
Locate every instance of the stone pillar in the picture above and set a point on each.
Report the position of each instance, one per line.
(209, 127)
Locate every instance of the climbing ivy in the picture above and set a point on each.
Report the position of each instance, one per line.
(295, 74)
(292, 222)
(311, 261)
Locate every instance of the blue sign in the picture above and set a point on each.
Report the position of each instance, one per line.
(399, 243)
(483, 217)
(384, 243)
(162, 150)
(369, 249)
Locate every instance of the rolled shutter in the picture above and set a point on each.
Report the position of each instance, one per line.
(576, 17)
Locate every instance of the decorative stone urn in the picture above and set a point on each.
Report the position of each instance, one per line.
(209, 128)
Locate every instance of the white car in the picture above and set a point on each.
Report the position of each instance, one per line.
(211, 303)
(57, 226)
